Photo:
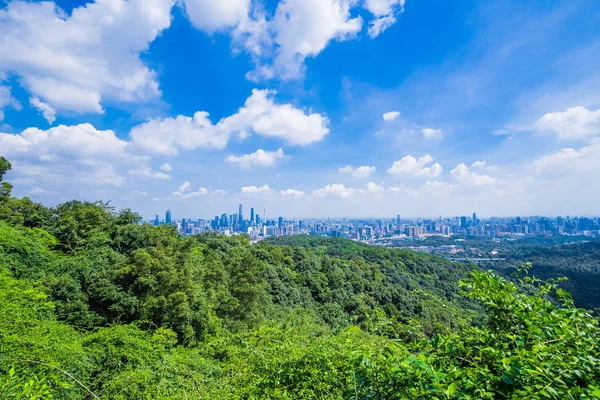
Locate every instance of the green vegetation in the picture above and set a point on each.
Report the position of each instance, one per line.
(94, 304)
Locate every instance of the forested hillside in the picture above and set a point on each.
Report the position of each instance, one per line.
(579, 262)
(94, 304)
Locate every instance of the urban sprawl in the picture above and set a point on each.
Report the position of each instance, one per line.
(370, 229)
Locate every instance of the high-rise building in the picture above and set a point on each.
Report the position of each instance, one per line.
(474, 219)
(252, 215)
(168, 216)
(463, 222)
(398, 220)
(156, 221)
(240, 216)
(280, 222)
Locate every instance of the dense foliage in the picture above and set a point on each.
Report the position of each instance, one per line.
(94, 304)
(574, 257)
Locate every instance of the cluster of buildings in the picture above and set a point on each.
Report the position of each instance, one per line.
(366, 229)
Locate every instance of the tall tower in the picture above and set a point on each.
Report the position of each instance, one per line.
(252, 215)
(474, 219)
(240, 216)
(168, 216)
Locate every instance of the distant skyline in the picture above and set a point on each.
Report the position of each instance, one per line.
(308, 108)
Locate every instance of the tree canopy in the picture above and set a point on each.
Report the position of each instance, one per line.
(96, 304)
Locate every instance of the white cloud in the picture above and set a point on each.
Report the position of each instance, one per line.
(334, 190)
(256, 190)
(139, 193)
(166, 167)
(385, 12)
(7, 100)
(77, 141)
(47, 111)
(74, 62)
(147, 172)
(211, 15)
(574, 123)
(570, 163)
(303, 28)
(260, 114)
(259, 158)
(360, 172)
(410, 166)
(37, 190)
(78, 153)
(374, 188)
(292, 193)
(185, 186)
(463, 174)
(263, 116)
(166, 136)
(338, 190)
(391, 115)
(184, 192)
(430, 133)
(478, 164)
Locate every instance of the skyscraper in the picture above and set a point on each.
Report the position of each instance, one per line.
(280, 222)
(240, 216)
(168, 216)
(156, 221)
(252, 215)
(463, 222)
(474, 219)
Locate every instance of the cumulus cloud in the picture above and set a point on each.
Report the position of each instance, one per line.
(478, 164)
(410, 166)
(574, 123)
(74, 62)
(430, 133)
(360, 172)
(463, 174)
(292, 193)
(303, 28)
(78, 153)
(338, 190)
(391, 115)
(65, 141)
(568, 162)
(47, 111)
(385, 12)
(265, 189)
(147, 172)
(260, 114)
(259, 158)
(37, 190)
(211, 15)
(7, 100)
(265, 117)
(166, 167)
(184, 192)
(166, 136)
(334, 190)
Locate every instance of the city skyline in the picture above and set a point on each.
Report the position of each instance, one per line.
(390, 228)
(304, 107)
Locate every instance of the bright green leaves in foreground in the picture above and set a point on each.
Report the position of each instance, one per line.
(528, 348)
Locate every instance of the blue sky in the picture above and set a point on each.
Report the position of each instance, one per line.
(304, 107)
